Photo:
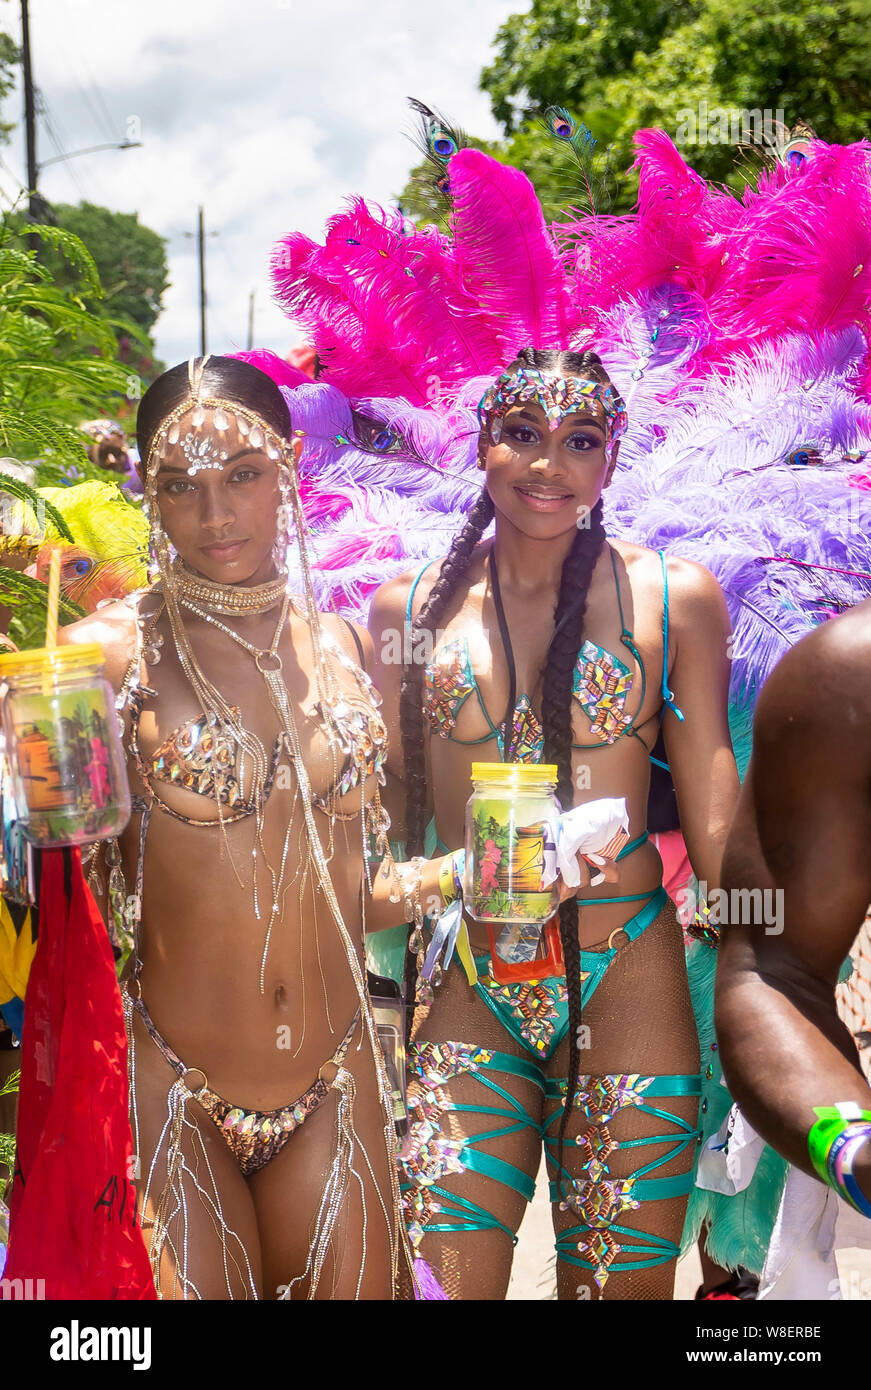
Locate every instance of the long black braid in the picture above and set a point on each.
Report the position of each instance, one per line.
(556, 720)
(454, 567)
(556, 706)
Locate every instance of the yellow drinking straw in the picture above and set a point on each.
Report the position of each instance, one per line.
(51, 617)
(53, 598)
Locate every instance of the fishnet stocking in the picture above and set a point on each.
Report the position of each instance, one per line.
(640, 1020)
(477, 1265)
(854, 996)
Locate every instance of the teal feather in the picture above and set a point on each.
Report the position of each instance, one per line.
(741, 730)
(739, 1226)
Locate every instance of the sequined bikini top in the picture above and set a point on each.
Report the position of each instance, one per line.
(601, 684)
(204, 758)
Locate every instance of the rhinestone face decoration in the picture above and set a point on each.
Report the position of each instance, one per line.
(601, 685)
(558, 397)
(202, 452)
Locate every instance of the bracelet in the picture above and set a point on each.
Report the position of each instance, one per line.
(701, 928)
(410, 876)
(451, 876)
(833, 1143)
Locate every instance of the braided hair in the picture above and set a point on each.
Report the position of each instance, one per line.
(556, 707)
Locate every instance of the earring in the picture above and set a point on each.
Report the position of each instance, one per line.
(286, 529)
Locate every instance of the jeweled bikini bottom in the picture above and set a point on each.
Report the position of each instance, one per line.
(252, 1136)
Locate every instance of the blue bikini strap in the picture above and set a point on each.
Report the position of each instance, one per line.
(417, 578)
(667, 696)
(626, 632)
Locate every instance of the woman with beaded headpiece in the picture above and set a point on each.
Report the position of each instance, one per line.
(547, 644)
(736, 327)
(552, 644)
(261, 1110)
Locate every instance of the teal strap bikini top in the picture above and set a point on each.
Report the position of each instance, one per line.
(601, 685)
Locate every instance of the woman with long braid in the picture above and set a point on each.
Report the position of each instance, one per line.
(603, 639)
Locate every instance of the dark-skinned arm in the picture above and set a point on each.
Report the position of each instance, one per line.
(385, 639)
(802, 828)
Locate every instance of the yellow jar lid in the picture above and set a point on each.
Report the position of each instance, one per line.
(521, 773)
(58, 661)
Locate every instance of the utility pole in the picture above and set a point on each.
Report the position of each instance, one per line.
(29, 113)
(251, 320)
(201, 238)
(201, 256)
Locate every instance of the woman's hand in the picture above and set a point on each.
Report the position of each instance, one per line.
(607, 868)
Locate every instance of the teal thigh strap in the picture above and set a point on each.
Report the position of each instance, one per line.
(429, 1207)
(599, 1242)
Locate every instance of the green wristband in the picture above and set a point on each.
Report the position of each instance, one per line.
(831, 1121)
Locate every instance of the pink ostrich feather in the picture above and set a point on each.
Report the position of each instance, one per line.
(509, 263)
(384, 306)
(281, 372)
(669, 236)
(379, 543)
(800, 253)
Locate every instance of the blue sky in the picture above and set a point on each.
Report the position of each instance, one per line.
(268, 112)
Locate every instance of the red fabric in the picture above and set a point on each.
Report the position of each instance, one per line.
(73, 1208)
(676, 867)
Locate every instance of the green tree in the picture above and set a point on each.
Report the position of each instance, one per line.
(130, 259)
(619, 66)
(57, 355)
(130, 263)
(566, 54)
(58, 365)
(8, 59)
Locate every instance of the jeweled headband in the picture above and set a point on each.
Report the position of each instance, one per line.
(203, 450)
(558, 396)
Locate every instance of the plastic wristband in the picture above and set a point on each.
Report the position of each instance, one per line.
(451, 876)
(840, 1132)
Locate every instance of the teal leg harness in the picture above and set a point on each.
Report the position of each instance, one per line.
(535, 1014)
(430, 1155)
(599, 1199)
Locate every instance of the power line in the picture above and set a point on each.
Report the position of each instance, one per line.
(98, 108)
(42, 106)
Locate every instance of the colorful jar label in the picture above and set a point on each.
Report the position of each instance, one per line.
(508, 863)
(60, 748)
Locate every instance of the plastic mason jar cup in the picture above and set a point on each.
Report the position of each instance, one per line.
(62, 745)
(509, 817)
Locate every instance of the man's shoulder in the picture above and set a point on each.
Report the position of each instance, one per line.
(825, 679)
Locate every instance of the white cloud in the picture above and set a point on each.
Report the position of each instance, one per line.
(268, 113)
